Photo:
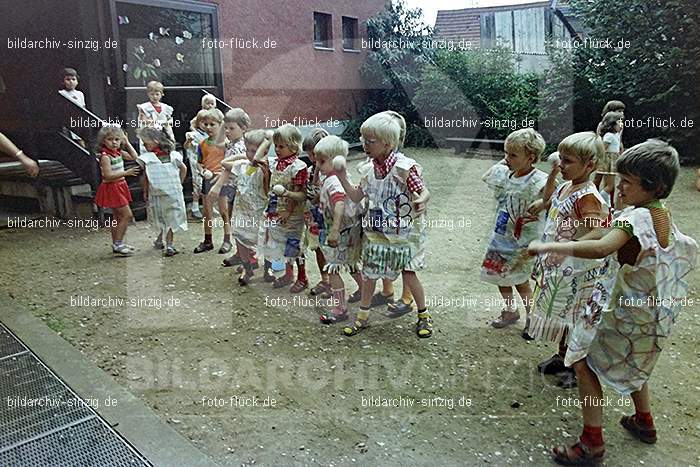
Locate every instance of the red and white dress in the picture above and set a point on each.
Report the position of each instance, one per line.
(113, 194)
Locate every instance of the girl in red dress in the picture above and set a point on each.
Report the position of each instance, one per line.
(112, 148)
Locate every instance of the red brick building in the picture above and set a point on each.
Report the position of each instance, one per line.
(311, 73)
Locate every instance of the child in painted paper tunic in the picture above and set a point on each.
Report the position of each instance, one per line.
(393, 226)
(313, 216)
(229, 138)
(284, 230)
(563, 285)
(164, 173)
(342, 232)
(629, 316)
(249, 204)
(516, 184)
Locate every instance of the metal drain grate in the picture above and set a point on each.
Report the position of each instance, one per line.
(89, 443)
(23, 381)
(8, 344)
(43, 422)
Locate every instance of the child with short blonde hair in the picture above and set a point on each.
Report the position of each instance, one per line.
(154, 112)
(313, 215)
(208, 102)
(229, 137)
(209, 158)
(284, 231)
(113, 192)
(342, 232)
(516, 184)
(193, 137)
(629, 317)
(393, 225)
(564, 285)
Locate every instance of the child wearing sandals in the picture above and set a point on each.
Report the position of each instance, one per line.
(313, 216)
(564, 285)
(229, 137)
(113, 192)
(341, 242)
(393, 225)
(516, 184)
(162, 187)
(629, 317)
(249, 204)
(405, 304)
(284, 229)
(209, 158)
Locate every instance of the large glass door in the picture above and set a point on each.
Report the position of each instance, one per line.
(163, 41)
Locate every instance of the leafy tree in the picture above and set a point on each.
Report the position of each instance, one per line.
(398, 50)
(654, 71)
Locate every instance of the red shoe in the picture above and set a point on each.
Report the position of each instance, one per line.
(643, 433)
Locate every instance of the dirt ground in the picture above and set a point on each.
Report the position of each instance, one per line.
(196, 348)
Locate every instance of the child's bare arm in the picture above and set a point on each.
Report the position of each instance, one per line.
(334, 234)
(129, 153)
(183, 172)
(229, 162)
(220, 139)
(353, 192)
(109, 175)
(591, 249)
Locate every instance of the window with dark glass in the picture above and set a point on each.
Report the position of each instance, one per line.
(165, 44)
(350, 33)
(323, 30)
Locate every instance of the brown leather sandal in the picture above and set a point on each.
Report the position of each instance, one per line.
(578, 454)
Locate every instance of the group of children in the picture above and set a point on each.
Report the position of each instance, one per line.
(597, 252)
(608, 274)
(276, 206)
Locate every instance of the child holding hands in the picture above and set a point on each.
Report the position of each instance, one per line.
(564, 285)
(627, 320)
(112, 148)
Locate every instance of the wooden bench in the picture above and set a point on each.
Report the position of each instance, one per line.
(462, 144)
(54, 188)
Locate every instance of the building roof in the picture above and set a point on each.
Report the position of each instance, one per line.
(465, 23)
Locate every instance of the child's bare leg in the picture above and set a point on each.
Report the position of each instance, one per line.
(169, 237)
(243, 253)
(223, 209)
(591, 399)
(124, 216)
(641, 399)
(368, 286)
(321, 263)
(525, 292)
(338, 294)
(208, 217)
(387, 287)
(414, 285)
(509, 314)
